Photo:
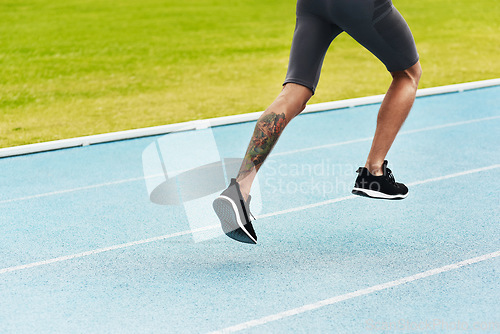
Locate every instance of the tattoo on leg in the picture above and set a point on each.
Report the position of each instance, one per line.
(265, 136)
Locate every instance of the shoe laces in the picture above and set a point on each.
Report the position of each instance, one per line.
(247, 202)
(390, 176)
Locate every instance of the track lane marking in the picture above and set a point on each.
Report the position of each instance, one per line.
(351, 295)
(101, 250)
(354, 141)
(206, 228)
(330, 201)
(407, 132)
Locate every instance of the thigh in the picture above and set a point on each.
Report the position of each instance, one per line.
(385, 33)
(311, 40)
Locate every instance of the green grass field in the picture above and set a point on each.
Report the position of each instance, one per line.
(79, 67)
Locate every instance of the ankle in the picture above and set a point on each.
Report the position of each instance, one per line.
(245, 195)
(375, 168)
(244, 189)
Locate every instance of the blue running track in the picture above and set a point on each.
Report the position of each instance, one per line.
(84, 250)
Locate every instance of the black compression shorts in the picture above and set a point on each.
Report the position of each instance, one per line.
(375, 24)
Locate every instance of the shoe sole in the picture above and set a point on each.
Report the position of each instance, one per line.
(227, 211)
(376, 194)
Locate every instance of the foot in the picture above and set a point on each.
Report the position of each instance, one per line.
(234, 214)
(384, 186)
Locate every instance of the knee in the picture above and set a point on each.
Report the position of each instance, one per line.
(290, 105)
(293, 99)
(416, 72)
(413, 74)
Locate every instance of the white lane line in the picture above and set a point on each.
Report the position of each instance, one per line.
(305, 207)
(102, 250)
(348, 142)
(358, 293)
(206, 228)
(59, 192)
(330, 201)
(449, 176)
(273, 155)
(407, 132)
(443, 126)
(65, 191)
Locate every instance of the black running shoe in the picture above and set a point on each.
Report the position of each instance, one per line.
(234, 214)
(384, 186)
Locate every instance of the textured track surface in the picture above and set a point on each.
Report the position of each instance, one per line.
(82, 249)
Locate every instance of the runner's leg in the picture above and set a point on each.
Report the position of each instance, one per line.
(392, 114)
(384, 32)
(311, 40)
(290, 102)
